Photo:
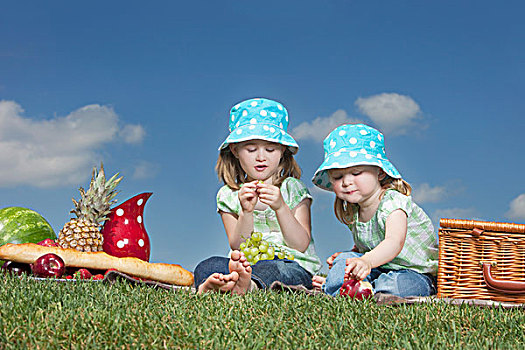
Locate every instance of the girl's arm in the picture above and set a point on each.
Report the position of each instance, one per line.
(384, 252)
(295, 224)
(238, 228)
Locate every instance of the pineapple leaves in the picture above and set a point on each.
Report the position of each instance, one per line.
(95, 203)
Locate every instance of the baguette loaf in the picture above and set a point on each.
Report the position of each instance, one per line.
(167, 273)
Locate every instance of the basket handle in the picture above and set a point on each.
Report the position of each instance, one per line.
(509, 287)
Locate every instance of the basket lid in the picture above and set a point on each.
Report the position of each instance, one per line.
(483, 225)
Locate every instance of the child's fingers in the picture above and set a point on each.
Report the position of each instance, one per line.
(267, 199)
(248, 189)
(268, 196)
(247, 197)
(267, 189)
(353, 269)
(247, 193)
(270, 200)
(362, 275)
(330, 260)
(350, 265)
(358, 273)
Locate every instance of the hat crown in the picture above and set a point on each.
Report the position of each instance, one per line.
(351, 145)
(355, 138)
(258, 111)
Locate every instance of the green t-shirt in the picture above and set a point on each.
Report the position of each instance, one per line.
(420, 251)
(265, 221)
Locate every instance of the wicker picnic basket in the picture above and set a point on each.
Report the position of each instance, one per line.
(481, 260)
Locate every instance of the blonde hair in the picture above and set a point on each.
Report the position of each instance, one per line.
(345, 213)
(230, 172)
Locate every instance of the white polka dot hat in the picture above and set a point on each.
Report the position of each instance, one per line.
(350, 145)
(262, 119)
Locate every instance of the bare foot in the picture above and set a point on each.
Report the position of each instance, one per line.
(218, 283)
(238, 281)
(238, 264)
(317, 282)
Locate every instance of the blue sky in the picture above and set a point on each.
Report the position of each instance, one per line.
(146, 88)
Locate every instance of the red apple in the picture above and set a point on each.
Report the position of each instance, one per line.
(356, 289)
(15, 268)
(48, 243)
(49, 265)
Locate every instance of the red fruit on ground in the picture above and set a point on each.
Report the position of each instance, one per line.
(49, 265)
(356, 289)
(15, 268)
(97, 277)
(83, 274)
(48, 242)
(109, 270)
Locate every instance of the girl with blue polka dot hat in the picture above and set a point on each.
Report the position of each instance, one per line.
(395, 244)
(261, 193)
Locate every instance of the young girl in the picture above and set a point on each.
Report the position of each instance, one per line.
(395, 244)
(262, 193)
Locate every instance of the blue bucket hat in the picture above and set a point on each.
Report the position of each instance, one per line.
(262, 119)
(350, 145)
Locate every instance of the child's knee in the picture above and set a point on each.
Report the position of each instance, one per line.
(403, 283)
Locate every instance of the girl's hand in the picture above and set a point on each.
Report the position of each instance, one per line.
(248, 196)
(357, 268)
(330, 260)
(270, 195)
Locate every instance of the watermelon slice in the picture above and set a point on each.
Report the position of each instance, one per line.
(23, 225)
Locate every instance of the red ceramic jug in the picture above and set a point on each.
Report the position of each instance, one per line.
(124, 232)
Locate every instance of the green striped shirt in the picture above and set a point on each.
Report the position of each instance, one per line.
(420, 251)
(265, 221)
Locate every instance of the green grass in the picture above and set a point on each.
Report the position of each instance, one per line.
(36, 314)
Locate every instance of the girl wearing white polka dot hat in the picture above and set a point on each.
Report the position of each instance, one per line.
(262, 193)
(395, 244)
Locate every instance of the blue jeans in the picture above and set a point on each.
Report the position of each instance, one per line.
(264, 273)
(402, 283)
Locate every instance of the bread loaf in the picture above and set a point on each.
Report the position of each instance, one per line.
(167, 273)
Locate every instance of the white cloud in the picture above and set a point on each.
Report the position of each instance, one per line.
(57, 151)
(132, 133)
(392, 112)
(320, 127)
(517, 208)
(145, 170)
(425, 193)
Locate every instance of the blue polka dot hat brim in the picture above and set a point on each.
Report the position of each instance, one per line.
(352, 145)
(259, 119)
(264, 132)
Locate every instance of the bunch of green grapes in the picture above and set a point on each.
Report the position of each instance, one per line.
(255, 249)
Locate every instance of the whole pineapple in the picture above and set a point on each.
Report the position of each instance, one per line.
(83, 233)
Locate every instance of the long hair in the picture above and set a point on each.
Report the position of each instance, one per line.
(345, 213)
(230, 172)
